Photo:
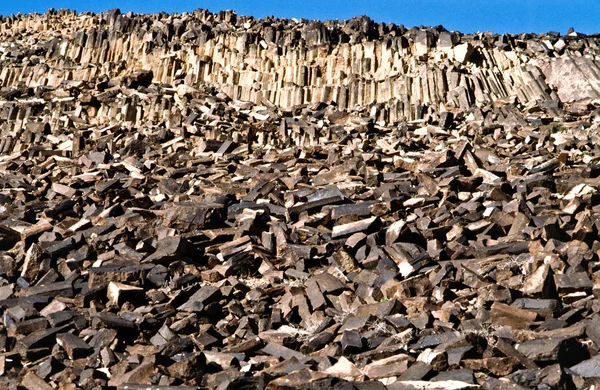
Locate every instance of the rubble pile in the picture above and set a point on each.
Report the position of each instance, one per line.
(159, 231)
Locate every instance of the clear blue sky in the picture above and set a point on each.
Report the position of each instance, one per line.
(499, 16)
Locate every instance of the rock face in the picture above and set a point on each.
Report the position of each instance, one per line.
(574, 78)
(396, 72)
(207, 201)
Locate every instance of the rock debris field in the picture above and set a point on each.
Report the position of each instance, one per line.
(212, 201)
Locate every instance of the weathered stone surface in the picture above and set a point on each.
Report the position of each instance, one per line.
(73, 345)
(502, 314)
(213, 201)
(565, 350)
(424, 385)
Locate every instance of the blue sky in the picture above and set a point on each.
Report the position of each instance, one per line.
(466, 16)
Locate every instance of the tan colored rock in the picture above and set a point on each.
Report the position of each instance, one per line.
(503, 314)
(388, 367)
(463, 52)
(345, 369)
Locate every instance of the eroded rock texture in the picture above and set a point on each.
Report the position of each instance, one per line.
(210, 201)
(394, 71)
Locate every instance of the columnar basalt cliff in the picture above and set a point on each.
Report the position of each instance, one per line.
(393, 71)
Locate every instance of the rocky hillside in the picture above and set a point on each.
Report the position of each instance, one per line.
(206, 201)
